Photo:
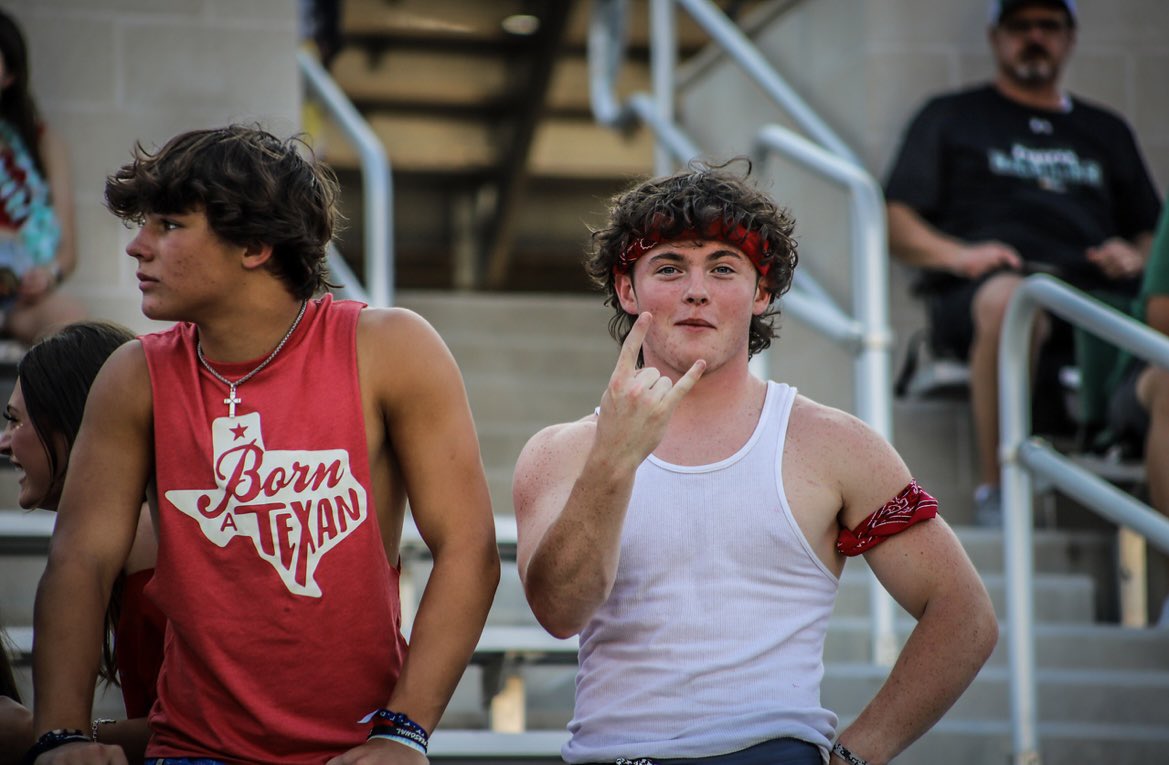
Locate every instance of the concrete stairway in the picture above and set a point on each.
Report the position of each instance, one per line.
(1104, 690)
(529, 361)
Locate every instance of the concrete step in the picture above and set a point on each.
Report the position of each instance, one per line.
(1096, 698)
(981, 742)
(1136, 697)
(1059, 598)
(954, 743)
(569, 318)
(497, 398)
(563, 147)
(1054, 551)
(1058, 646)
(549, 360)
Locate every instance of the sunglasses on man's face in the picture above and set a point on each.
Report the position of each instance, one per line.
(1024, 26)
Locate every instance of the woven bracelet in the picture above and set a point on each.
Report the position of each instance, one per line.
(840, 751)
(396, 726)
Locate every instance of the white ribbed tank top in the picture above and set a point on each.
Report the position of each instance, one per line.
(712, 638)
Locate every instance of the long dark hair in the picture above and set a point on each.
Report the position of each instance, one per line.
(16, 102)
(55, 376)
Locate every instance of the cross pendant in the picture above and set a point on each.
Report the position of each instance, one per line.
(231, 401)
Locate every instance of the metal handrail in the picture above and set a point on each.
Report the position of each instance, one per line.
(377, 184)
(739, 47)
(867, 334)
(1021, 455)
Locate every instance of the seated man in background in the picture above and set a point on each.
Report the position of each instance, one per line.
(1139, 407)
(1009, 178)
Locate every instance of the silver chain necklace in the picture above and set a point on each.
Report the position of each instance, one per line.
(232, 400)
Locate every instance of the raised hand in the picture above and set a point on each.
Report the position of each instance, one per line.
(638, 404)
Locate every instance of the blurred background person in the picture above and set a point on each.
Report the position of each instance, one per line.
(36, 205)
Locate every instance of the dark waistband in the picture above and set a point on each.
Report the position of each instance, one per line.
(778, 751)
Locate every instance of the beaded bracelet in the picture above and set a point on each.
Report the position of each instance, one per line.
(396, 726)
(840, 751)
(97, 724)
(53, 739)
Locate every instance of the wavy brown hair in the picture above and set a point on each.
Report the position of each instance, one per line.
(697, 199)
(254, 188)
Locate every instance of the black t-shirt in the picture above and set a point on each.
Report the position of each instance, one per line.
(979, 166)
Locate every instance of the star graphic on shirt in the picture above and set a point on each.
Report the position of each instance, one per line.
(238, 431)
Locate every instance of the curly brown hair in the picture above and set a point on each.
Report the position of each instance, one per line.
(700, 198)
(254, 188)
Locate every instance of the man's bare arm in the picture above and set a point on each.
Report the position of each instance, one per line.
(96, 521)
(928, 573)
(916, 243)
(429, 423)
(572, 487)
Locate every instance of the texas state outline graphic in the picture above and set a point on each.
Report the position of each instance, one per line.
(294, 505)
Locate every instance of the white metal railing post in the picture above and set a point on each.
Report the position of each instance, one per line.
(1014, 423)
(663, 42)
(871, 339)
(1021, 456)
(377, 183)
(740, 48)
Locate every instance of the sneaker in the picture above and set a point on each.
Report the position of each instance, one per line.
(988, 507)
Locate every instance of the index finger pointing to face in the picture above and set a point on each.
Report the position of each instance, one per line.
(631, 348)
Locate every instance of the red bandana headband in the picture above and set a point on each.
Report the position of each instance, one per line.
(751, 243)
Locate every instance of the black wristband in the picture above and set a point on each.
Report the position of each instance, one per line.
(53, 739)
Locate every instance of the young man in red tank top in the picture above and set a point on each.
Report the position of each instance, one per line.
(690, 263)
(301, 425)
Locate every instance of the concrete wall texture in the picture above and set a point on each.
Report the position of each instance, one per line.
(108, 73)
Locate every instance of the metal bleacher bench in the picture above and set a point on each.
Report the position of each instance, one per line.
(501, 653)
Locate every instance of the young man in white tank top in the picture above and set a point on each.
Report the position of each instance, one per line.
(693, 530)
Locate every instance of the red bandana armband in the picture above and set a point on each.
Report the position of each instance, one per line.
(911, 506)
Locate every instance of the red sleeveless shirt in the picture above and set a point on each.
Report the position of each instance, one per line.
(285, 625)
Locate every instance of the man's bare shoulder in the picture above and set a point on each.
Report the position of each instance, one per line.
(397, 325)
(123, 383)
(564, 435)
(816, 425)
(845, 452)
(398, 344)
(555, 451)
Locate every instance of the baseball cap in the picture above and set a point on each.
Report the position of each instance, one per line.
(1000, 8)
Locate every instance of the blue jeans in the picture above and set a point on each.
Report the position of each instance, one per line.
(779, 751)
(182, 761)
